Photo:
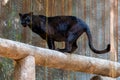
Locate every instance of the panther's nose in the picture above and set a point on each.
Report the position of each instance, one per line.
(23, 24)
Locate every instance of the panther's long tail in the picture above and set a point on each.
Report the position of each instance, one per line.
(91, 44)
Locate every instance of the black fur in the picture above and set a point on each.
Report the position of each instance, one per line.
(59, 28)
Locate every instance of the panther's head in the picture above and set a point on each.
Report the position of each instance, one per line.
(26, 19)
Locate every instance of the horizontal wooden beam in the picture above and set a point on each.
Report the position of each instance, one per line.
(51, 58)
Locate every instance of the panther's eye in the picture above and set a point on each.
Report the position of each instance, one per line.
(27, 18)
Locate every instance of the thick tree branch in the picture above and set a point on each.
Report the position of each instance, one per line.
(45, 57)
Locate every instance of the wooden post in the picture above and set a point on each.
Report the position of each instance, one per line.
(113, 29)
(25, 69)
(114, 33)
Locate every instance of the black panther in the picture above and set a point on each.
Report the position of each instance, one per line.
(59, 28)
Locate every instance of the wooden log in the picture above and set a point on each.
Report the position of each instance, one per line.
(25, 69)
(51, 58)
(114, 32)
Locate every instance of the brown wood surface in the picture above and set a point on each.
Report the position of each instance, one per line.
(55, 59)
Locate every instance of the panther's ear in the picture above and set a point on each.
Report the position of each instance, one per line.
(20, 14)
(31, 13)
